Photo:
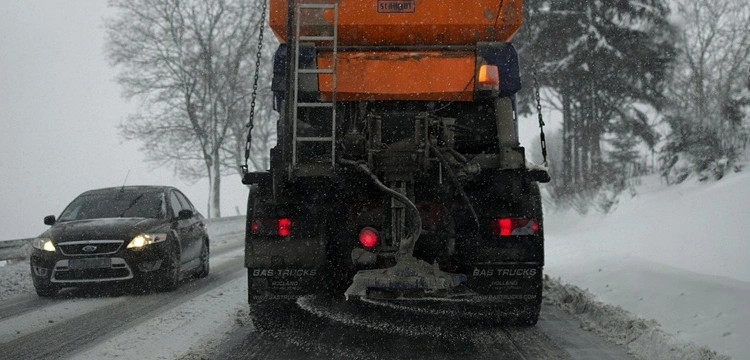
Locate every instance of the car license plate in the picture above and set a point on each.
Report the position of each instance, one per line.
(90, 263)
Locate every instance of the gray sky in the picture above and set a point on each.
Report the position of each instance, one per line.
(59, 108)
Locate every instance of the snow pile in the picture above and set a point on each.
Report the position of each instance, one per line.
(676, 254)
(15, 278)
(644, 338)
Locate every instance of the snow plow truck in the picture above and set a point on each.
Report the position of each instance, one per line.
(398, 174)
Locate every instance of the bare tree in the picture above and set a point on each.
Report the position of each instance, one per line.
(191, 64)
(709, 86)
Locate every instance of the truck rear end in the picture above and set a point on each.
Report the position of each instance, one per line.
(398, 173)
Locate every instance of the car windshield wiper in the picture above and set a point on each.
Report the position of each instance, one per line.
(132, 203)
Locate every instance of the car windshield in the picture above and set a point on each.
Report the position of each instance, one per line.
(120, 204)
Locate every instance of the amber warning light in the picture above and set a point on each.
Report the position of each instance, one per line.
(489, 76)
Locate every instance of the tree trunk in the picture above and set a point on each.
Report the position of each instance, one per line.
(567, 169)
(214, 197)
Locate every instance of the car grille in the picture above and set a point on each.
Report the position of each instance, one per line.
(90, 247)
(117, 270)
(92, 274)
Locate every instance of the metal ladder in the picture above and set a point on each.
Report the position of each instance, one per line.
(297, 71)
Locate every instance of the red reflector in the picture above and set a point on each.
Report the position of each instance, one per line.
(506, 227)
(368, 237)
(254, 227)
(516, 226)
(284, 227)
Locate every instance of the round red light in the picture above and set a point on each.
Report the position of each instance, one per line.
(368, 237)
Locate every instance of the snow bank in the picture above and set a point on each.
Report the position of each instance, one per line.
(15, 278)
(643, 338)
(675, 254)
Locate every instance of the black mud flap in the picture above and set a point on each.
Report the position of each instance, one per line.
(506, 282)
(282, 283)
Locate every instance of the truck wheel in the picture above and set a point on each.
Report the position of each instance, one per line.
(529, 317)
(269, 316)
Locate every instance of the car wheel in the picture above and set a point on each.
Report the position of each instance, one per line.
(43, 286)
(170, 278)
(47, 290)
(204, 266)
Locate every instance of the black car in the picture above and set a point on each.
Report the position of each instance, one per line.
(148, 236)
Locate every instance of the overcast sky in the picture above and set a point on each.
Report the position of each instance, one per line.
(59, 109)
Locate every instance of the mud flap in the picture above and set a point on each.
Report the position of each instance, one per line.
(282, 284)
(506, 282)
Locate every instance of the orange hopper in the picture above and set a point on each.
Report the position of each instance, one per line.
(403, 50)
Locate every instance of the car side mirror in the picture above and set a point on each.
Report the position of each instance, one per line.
(49, 220)
(185, 214)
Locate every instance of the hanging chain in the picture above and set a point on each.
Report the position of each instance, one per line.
(538, 99)
(254, 95)
(542, 139)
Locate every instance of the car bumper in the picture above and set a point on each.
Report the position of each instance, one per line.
(124, 265)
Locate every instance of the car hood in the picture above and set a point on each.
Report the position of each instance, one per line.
(103, 229)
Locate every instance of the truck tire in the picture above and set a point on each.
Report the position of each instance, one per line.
(529, 316)
(269, 316)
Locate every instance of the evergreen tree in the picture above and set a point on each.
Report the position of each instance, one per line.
(600, 60)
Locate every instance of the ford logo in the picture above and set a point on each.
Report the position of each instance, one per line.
(89, 248)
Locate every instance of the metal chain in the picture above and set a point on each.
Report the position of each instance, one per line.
(254, 95)
(542, 138)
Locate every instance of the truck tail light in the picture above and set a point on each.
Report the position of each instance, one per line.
(270, 227)
(515, 226)
(284, 227)
(368, 237)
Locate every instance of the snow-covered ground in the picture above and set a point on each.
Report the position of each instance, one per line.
(678, 255)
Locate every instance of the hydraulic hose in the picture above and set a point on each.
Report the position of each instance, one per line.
(454, 178)
(406, 247)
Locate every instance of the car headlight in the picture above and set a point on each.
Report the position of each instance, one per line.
(44, 244)
(143, 240)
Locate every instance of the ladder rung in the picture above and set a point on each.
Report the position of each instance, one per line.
(316, 71)
(317, 6)
(315, 104)
(316, 38)
(315, 138)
